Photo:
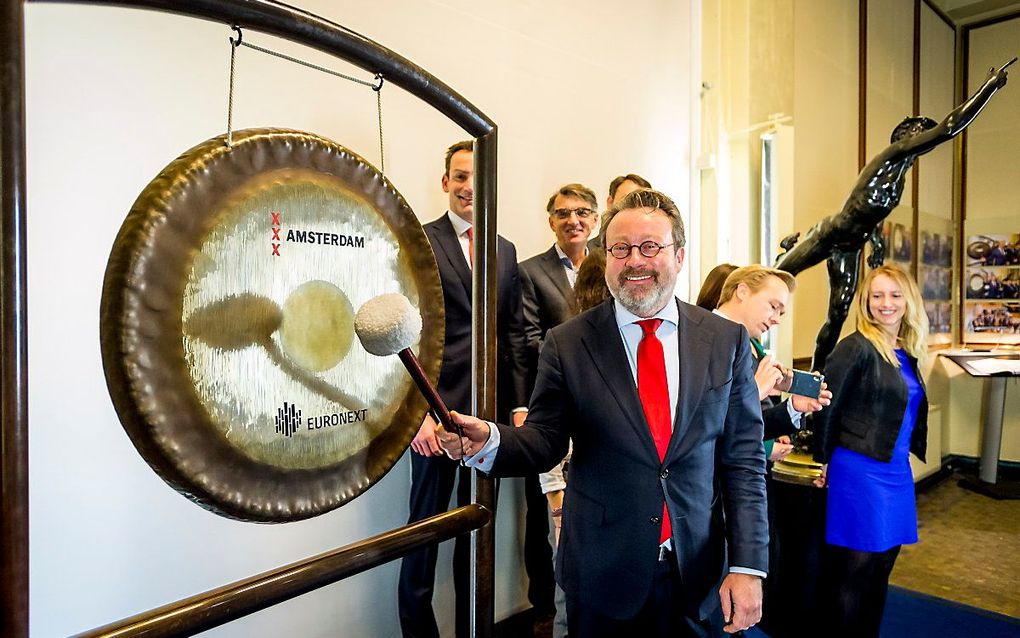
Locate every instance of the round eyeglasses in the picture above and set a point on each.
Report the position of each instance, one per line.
(647, 249)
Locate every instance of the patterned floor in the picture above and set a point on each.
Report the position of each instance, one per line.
(969, 549)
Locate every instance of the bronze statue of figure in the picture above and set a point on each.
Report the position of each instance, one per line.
(839, 239)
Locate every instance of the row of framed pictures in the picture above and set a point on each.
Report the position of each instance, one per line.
(936, 248)
(991, 280)
(992, 288)
(935, 273)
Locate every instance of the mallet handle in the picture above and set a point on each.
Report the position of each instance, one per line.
(428, 390)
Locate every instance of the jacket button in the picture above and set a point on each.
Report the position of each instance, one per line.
(655, 520)
(664, 473)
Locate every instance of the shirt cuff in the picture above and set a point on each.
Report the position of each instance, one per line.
(795, 416)
(552, 481)
(748, 571)
(483, 459)
(523, 408)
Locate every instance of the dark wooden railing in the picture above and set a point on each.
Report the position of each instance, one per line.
(230, 602)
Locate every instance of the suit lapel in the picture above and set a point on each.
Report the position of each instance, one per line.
(449, 245)
(695, 344)
(605, 346)
(554, 270)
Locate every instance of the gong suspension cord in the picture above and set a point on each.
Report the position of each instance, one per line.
(376, 86)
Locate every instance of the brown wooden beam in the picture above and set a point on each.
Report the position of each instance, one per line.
(14, 325)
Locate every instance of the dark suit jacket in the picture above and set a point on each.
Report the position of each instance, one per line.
(712, 477)
(548, 300)
(511, 368)
(777, 418)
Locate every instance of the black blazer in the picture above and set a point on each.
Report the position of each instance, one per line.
(869, 399)
(511, 368)
(548, 300)
(712, 477)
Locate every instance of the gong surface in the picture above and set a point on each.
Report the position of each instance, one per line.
(978, 249)
(227, 324)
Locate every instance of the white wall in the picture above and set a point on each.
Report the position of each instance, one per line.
(825, 118)
(580, 91)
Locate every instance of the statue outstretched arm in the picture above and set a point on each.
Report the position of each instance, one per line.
(961, 117)
(954, 123)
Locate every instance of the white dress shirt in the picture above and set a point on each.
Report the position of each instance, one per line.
(568, 265)
(461, 227)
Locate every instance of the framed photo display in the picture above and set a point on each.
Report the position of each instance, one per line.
(992, 288)
(935, 278)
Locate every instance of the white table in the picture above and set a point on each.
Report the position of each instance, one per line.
(982, 365)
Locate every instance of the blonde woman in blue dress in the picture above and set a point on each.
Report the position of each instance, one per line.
(877, 418)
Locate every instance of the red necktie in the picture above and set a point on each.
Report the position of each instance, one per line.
(471, 246)
(654, 394)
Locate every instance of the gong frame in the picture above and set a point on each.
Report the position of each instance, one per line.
(233, 601)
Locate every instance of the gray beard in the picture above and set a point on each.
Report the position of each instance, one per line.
(643, 306)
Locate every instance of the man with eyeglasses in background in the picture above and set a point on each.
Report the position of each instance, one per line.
(547, 283)
(665, 513)
(547, 279)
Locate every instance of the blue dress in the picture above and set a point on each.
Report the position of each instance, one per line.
(871, 505)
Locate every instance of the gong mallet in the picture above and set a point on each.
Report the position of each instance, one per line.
(389, 324)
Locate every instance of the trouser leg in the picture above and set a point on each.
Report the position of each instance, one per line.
(431, 486)
(537, 551)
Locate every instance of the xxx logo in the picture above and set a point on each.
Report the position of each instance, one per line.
(275, 223)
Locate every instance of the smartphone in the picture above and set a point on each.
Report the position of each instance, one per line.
(807, 384)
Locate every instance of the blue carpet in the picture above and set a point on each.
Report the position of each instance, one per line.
(909, 614)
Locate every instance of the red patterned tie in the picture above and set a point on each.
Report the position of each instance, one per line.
(471, 246)
(654, 394)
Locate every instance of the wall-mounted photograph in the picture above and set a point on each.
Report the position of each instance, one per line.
(936, 249)
(935, 283)
(993, 250)
(940, 315)
(993, 283)
(898, 243)
(993, 318)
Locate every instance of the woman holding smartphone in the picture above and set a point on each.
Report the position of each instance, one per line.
(878, 416)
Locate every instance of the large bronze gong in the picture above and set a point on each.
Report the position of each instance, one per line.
(227, 324)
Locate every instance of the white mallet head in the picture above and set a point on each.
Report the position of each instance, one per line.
(387, 324)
